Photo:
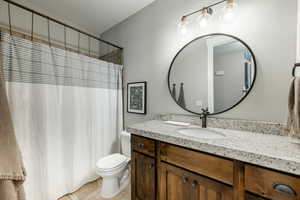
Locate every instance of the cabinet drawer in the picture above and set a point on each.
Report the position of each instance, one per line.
(143, 145)
(271, 184)
(210, 166)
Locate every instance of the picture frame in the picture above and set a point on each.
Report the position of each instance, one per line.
(137, 97)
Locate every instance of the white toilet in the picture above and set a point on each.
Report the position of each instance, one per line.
(114, 169)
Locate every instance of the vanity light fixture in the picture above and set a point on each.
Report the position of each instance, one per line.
(204, 17)
(228, 14)
(182, 26)
(229, 11)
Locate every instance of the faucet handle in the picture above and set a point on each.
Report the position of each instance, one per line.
(205, 111)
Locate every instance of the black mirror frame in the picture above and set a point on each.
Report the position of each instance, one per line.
(203, 36)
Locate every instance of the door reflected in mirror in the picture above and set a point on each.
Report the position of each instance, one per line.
(215, 72)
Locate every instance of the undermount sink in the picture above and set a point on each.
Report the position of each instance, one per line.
(201, 133)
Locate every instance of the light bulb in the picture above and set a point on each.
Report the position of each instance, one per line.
(203, 22)
(204, 17)
(229, 11)
(182, 26)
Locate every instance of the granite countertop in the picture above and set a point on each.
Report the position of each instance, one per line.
(276, 152)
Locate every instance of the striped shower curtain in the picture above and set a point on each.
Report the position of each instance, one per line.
(67, 113)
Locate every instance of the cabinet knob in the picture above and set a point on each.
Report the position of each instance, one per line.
(194, 184)
(163, 153)
(141, 145)
(185, 180)
(151, 166)
(284, 189)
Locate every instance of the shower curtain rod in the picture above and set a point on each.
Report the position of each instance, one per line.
(61, 23)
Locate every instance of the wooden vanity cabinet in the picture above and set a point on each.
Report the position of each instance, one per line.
(162, 171)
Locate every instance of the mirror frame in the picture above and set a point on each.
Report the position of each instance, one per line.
(204, 36)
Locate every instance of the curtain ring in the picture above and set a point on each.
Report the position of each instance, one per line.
(65, 37)
(49, 39)
(106, 53)
(78, 45)
(32, 26)
(99, 49)
(89, 45)
(9, 18)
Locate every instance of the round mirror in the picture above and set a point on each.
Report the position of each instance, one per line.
(214, 72)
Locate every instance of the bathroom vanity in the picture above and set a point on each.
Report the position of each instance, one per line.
(214, 74)
(167, 165)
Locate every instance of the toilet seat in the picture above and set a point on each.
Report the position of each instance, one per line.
(112, 162)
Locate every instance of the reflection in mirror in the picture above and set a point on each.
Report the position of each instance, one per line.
(214, 72)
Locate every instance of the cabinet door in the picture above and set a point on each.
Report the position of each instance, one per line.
(179, 184)
(142, 177)
(174, 185)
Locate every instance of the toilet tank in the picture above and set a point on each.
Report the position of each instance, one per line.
(125, 143)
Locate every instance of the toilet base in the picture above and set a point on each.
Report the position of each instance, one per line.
(112, 186)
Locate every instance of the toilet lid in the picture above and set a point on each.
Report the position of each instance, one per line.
(111, 161)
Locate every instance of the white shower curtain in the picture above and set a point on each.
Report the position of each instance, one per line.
(67, 112)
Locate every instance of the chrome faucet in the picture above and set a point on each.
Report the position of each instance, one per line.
(203, 117)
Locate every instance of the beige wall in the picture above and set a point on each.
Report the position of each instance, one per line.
(268, 26)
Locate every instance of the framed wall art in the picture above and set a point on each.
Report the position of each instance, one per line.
(136, 97)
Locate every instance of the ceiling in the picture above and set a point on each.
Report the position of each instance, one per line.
(93, 15)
